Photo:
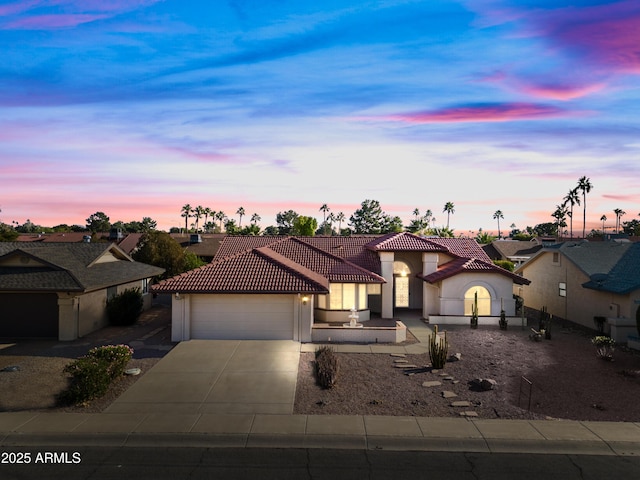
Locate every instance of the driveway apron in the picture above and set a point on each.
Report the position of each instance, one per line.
(218, 376)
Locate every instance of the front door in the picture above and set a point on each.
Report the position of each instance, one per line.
(402, 292)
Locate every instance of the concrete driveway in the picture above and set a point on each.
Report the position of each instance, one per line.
(218, 376)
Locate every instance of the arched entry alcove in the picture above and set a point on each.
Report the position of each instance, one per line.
(484, 300)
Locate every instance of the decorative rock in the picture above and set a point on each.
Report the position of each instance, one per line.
(401, 361)
(11, 368)
(455, 357)
(484, 384)
(398, 355)
(488, 384)
(448, 394)
(404, 365)
(450, 378)
(456, 382)
(431, 384)
(435, 370)
(444, 374)
(460, 404)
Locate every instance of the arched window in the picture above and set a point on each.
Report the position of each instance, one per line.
(401, 268)
(484, 300)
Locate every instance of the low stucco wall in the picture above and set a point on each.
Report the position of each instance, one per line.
(329, 316)
(337, 334)
(463, 320)
(621, 328)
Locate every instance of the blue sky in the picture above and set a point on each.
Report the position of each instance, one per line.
(136, 107)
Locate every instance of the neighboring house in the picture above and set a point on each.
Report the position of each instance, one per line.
(582, 280)
(516, 251)
(126, 241)
(277, 287)
(60, 289)
(204, 245)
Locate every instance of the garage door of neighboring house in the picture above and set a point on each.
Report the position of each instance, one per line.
(29, 315)
(242, 317)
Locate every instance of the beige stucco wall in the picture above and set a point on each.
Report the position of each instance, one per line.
(499, 286)
(581, 304)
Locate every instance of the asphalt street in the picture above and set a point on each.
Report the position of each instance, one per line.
(264, 463)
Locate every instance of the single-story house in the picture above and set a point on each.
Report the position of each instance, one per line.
(261, 287)
(516, 251)
(581, 280)
(60, 290)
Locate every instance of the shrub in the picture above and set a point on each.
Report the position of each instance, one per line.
(125, 308)
(92, 374)
(506, 264)
(326, 367)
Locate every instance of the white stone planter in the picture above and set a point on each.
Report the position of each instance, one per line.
(633, 342)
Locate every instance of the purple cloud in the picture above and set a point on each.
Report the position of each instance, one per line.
(42, 22)
(498, 112)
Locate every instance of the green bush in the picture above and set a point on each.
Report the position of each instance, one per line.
(92, 374)
(326, 367)
(506, 264)
(125, 308)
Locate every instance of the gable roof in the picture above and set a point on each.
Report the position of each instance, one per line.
(508, 249)
(269, 265)
(624, 276)
(282, 264)
(466, 265)
(78, 267)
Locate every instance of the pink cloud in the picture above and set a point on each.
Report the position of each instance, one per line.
(500, 112)
(53, 21)
(561, 92)
(607, 35)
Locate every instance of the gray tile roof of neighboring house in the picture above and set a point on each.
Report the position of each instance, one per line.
(505, 249)
(68, 267)
(594, 257)
(624, 276)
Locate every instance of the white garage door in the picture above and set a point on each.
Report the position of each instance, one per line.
(242, 317)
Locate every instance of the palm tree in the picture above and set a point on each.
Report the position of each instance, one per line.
(604, 219)
(449, 207)
(197, 214)
(572, 199)
(585, 185)
(340, 219)
(619, 213)
(560, 215)
(416, 213)
(497, 216)
(240, 212)
(255, 218)
(220, 216)
(186, 213)
(324, 209)
(206, 212)
(331, 218)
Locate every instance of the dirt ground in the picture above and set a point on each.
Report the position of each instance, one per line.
(567, 379)
(40, 378)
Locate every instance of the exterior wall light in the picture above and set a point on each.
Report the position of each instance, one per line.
(305, 299)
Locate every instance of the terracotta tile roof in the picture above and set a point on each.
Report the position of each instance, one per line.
(253, 271)
(462, 247)
(394, 242)
(462, 265)
(349, 248)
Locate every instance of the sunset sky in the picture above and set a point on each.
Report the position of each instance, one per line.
(136, 107)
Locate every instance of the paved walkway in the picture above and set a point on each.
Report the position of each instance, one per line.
(230, 394)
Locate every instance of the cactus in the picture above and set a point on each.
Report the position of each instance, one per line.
(438, 349)
(544, 315)
(474, 311)
(503, 320)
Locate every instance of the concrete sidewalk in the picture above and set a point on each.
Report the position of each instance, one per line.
(237, 395)
(320, 431)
